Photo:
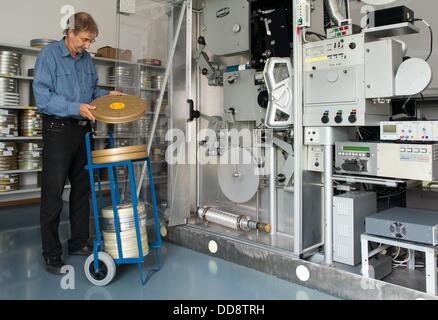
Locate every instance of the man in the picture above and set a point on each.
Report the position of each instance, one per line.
(64, 85)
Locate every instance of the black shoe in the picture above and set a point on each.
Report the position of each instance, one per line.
(86, 250)
(54, 264)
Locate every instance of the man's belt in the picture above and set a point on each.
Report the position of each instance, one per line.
(79, 122)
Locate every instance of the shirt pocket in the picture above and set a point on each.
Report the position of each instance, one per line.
(63, 83)
(90, 78)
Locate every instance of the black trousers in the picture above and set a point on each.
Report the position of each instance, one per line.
(64, 155)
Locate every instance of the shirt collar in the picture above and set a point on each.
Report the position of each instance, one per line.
(66, 52)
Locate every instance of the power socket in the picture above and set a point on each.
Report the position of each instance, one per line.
(324, 136)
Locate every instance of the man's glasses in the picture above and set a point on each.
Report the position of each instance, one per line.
(84, 40)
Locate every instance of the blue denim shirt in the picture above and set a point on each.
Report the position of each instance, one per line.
(62, 82)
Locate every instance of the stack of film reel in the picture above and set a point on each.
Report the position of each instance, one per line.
(8, 156)
(128, 236)
(41, 43)
(30, 156)
(10, 65)
(8, 123)
(9, 182)
(31, 123)
(120, 76)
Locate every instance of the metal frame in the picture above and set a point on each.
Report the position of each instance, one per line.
(115, 200)
(430, 252)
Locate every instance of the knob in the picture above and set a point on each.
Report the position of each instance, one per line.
(338, 119)
(201, 41)
(263, 99)
(352, 46)
(325, 119)
(352, 118)
(236, 28)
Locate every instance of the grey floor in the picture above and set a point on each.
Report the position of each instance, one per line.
(185, 274)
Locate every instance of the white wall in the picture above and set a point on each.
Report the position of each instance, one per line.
(23, 20)
(418, 44)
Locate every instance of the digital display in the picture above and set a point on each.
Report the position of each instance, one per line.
(316, 51)
(390, 128)
(365, 149)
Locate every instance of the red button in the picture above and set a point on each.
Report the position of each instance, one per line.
(344, 33)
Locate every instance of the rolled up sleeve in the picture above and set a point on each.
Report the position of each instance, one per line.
(44, 90)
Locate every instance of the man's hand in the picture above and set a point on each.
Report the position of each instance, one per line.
(85, 112)
(117, 93)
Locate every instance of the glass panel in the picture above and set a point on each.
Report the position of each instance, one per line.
(139, 70)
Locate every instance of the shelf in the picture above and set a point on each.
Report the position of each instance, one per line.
(35, 51)
(23, 189)
(392, 30)
(20, 171)
(20, 138)
(20, 49)
(35, 188)
(15, 77)
(112, 61)
(19, 107)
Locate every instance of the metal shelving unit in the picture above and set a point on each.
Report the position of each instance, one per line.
(32, 190)
(20, 171)
(20, 138)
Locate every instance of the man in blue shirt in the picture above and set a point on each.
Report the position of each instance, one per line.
(64, 85)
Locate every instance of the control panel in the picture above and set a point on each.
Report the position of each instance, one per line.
(388, 160)
(426, 131)
(356, 158)
(315, 158)
(337, 32)
(408, 161)
(334, 84)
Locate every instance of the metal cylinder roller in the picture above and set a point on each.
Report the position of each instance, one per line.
(232, 221)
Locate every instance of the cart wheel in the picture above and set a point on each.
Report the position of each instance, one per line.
(106, 272)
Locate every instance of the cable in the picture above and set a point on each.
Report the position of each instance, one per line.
(320, 36)
(431, 36)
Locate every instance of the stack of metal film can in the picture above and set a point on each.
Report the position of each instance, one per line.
(157, 81)
(145, 123)
(128, 235)
(10, 63)
(9, 92)
(31, 123)
(41, 43)
(122, 172)
(101, 128)
(120, 76)
(145, 79)
(8, 156)
(122, 130)
(8, 123)
(30, 156)
(9, 182)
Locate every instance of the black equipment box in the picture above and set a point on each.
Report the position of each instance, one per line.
(391, 16)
